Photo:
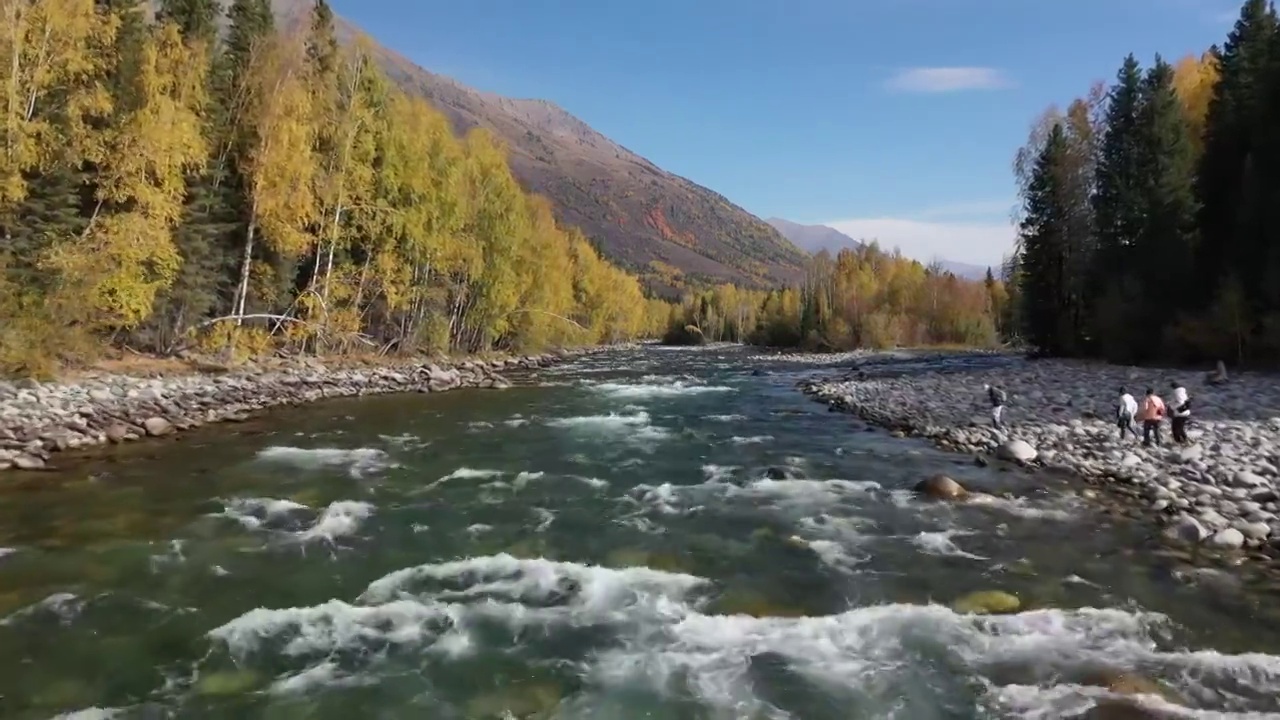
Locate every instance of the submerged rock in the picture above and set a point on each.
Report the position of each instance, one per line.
(752, 604)
(987, 602)
(1120, 709)
(635, 557)
(527, 700)
(782, 473)
(940, 487)
(1127, 683)
(227, 682)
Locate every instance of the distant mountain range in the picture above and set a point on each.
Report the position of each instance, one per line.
(816, 238)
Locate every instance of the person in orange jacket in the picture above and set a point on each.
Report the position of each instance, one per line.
(1151, 413)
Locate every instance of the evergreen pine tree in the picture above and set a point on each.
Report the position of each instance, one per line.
(1231, 134)
(198, 19)
(322, 41)
(1118, 215)
(250, 21)
(1117, 206)
(1267, 251)
(1168, 237)
(1043, 280)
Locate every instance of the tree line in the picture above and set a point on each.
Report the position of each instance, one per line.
(165, 185)
(1148, 226)
(860, 297)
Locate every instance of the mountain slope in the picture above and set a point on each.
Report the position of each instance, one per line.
(815, 238)
(640, 216)
(967, 271)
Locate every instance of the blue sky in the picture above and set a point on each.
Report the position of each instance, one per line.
(892, 119)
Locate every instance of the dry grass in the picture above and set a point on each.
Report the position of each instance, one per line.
(132, 364)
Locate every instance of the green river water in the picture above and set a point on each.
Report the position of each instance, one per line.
(599, 542)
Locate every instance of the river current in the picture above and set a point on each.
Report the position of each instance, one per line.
(602, 541)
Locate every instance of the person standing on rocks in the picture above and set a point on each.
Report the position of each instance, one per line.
(1151, 413)
(1181, 413)
(1126, 411)
(998, 398)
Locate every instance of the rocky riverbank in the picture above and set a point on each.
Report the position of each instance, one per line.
(38, 419)
(863, 357)
(1220, 491)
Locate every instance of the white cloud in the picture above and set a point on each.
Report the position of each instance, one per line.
(978, 243)
(948, 79)
(985, 209)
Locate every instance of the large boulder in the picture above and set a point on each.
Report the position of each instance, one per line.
(940, 487)
(157, 426)
(1016, 451)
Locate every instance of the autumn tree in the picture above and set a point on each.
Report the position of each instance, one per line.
(1194, 79)
(127, 254)
(268, 189)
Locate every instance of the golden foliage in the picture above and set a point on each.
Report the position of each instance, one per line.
(53, 52)
(859, 298)
(334, 211)
(127, 255)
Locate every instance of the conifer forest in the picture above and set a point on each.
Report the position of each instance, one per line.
(1150, 220)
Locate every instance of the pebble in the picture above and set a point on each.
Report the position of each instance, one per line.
(1221, 490)
(37, 419)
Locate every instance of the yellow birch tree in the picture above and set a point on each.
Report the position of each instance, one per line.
(128, 254)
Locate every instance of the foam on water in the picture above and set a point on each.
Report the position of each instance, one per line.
(719, 473)
(340, 519)
(881, 656)
(255, 513)
(93, 713)
(286, 518)
(405, 441)
(753, 440)
(635, 427)
(62, 606)
(524, 478)
(462, 473)
(359, 462)
(657, 387)
(941, 543)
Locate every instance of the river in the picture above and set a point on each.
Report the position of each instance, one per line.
(599, 542)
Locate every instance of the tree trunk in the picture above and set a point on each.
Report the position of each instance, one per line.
(242, 289)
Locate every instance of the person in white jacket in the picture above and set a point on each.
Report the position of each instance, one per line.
(1180, 413)
(1126, 410)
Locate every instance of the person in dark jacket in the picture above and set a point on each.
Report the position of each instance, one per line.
(998, 398)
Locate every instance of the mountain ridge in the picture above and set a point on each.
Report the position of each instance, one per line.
(815, 238)
(670, 230)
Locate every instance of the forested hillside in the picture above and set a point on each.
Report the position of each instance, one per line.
(860, 297)
(162, 186)
(1151, 225)
(671, 231)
